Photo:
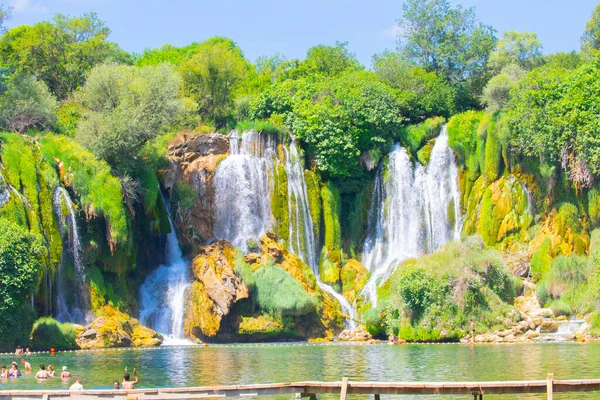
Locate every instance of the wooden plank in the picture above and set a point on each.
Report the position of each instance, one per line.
(550, 386)
(344, 389)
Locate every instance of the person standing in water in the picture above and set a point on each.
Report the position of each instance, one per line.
(42, 373)
(26, 365)
(14, 370)
(127, 382)
(65, 374)
(3, 372)
(77, 385)
(51, 371)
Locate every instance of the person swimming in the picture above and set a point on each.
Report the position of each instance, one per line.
(77, 385)
(14, 372)
(3, 372)
(116, 385)
(42, 373)
(65, 374)
(127, 383)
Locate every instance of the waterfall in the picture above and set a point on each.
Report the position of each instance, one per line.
(4, 192)
(410, 211)
(243, 185)
(243, 189)
(162, 295)
(301, 227)
(72, 306)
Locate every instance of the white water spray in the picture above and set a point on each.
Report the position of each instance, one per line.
(72, 306)
(162, 295)
(243, 189)
(414, 210)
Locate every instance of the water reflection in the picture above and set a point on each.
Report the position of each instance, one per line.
(199, 366)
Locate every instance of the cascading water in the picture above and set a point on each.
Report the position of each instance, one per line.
(243, 189)
(243, 185)
(411, 211)
(162, 295)
(301, 227)
(4, 192)
(72, 306)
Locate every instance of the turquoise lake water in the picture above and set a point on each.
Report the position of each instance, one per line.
(245, 364)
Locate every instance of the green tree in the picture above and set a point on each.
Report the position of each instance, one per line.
(213, 76)
(20, 255)
(521, 48)
(60, 52)
(496, 93)
(552, 116)
(26, 104)
(166, 54)
(424, 94)
(4, 15)
(443, 39)
(591, 36)
(125, 107)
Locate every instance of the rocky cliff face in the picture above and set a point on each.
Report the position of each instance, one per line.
(194, 159)
(214, 290)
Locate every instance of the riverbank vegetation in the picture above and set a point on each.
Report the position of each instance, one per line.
(80, 114)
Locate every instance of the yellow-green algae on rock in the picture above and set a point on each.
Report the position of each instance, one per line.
(113, 328)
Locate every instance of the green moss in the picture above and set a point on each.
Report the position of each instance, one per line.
(424, 154)
(493, 153)
(593, 203)
(332, 207)
(49, 333)
(541, 260)
(462, 136)
(98, 191)
(568, 218)
(279, 203)
(264, 324)
(415, 136)
(313, 185)
(329, 270)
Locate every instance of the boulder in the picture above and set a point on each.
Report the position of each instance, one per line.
(114, 328)
(359, 334)
(549, 327)
(215, 288)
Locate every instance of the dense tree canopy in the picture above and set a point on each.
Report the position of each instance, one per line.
(212, 77)
(60, 52)
(521, 48)
(553, 116)
(25, 104)
(591, 36)
(125, 107)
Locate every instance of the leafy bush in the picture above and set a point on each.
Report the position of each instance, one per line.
(415, 136)
(49, 333)
(541, 260)
(279, 294)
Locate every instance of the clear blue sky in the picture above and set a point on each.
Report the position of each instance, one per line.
(263, 27)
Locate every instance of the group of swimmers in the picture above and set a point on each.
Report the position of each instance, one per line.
(43, 374)
(49, 372)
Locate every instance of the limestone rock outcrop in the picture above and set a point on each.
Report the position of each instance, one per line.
(354, 277)
(113, 328)
(194, 159)
(359, 334)
(215, 288)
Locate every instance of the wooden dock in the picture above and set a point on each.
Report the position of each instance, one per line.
(312, 390)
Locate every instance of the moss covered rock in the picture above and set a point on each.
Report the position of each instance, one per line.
(214, 290)
(424, 154)
(499, 210)
(354, 277)
(113, 328)
(49, 333)
(263, 324)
